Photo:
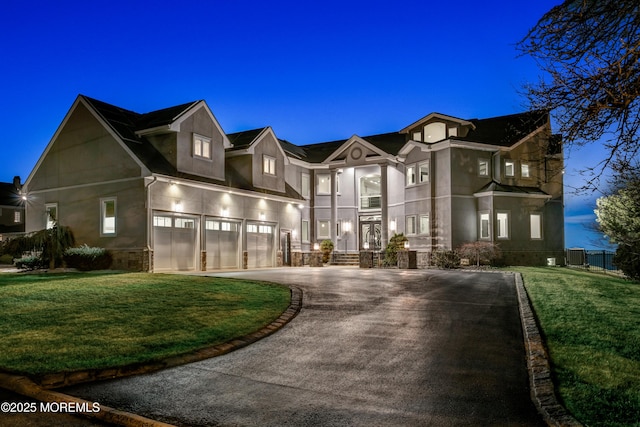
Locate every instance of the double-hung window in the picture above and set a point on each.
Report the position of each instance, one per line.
(483, 167)
(324, 230)
(502, 219)
(411, 175)
(410, 225)
(17, 217)
(304, 235)
(509, 168)
(423, 172)
(535, 221)
(108, 217)
(201, 146)
(51, 213)
(425, 225)
(524, 170)
(484, 226)
(268, 165)
(324, 184)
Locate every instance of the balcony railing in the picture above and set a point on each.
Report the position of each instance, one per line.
(370, 202)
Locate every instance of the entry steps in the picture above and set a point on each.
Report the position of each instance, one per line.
(338, 258)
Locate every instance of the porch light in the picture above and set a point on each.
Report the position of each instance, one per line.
(366, 246)
(224, 212)
(316, 246)
(301, 206)
(406, 244)
(262, 216)
(346, 226)
(294, 233)
(177, 207)
(392, 225)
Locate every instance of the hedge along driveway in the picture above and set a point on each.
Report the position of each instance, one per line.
(67, 322)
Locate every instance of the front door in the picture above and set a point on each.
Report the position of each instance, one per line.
(371, 233)
(285, 247)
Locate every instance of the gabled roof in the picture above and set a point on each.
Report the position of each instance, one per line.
(505, 131)
(437, 116)
(242, 140)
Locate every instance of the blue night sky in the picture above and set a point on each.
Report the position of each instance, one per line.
(313, 71)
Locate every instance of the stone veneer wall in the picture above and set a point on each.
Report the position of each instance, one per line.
(136, 259)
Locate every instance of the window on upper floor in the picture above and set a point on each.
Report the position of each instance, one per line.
(51, 214)
(108, 217)
(305, 185)
(268, 165)
(410, 225)
(524, 170)
(483, 167)
(17, 217)
(201, 146)
(370, 197)
(411, 175)
(509, 168)
(423, 172)
(502, 219)
(435, 131)
(324, 184)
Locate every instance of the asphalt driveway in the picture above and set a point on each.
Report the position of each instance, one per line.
(369, 347)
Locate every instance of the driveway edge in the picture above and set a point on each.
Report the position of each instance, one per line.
(25, 386)
(541, 383)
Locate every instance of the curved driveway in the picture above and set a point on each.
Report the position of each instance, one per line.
(370, 347)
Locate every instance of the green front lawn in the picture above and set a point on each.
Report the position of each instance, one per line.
(66, 322)
(591, 324)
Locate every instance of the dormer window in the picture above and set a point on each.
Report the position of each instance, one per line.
(436, 131)
(268, 165)
(201, 146)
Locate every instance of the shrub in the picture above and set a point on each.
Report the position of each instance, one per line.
(480, 252)
(446, 259)
(627, 259)
(6, 259)
(86, 258)
(326, 247)
(30, 262)
(391, 252)
(50, 243)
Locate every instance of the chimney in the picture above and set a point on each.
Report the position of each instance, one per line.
(16, 183)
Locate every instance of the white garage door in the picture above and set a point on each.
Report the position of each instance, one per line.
(260, 245)
(174, 242)
(222, 239)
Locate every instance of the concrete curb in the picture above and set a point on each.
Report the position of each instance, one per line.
(541, 383)
(41, 391)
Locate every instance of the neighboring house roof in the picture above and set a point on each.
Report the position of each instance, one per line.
(10, 195)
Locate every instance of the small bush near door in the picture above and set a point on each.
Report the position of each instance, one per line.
(326, 247)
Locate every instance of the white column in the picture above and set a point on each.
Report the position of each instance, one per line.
(384, 207)
(334, 207)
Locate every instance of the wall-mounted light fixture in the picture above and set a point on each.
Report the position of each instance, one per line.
(224, 212)
(316, 246)
(406, 244)
(392, 225)
(177, 206)
(294, 233)
(365, 245)
(262, 216)
(346, 226)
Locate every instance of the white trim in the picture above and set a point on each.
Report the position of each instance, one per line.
(382, 155)
(72, 187)
(508, 194)
(444, 117)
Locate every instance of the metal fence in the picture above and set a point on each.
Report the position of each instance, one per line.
(597, 260)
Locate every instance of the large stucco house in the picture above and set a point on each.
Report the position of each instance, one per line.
(170, 190)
